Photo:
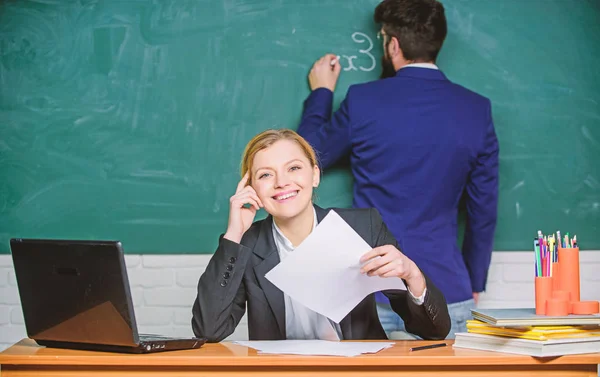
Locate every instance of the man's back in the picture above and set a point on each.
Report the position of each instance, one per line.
(415, 141)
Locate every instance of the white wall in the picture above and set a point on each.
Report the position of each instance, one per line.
(164, 288)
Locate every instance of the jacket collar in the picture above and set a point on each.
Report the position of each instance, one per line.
(265, 244)
(421, 73)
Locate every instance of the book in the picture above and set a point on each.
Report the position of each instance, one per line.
(538, 348)
(534, 332)
(527, 317)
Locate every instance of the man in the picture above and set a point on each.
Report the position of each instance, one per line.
(417, 142)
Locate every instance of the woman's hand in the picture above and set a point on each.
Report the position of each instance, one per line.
(387, 261)
(240, 216)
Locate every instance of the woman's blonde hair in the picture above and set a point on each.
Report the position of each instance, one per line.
(269, 137)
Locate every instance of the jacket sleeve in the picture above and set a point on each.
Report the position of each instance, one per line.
(482, 203)
(329, 136)
(429, 320)
(221, 300)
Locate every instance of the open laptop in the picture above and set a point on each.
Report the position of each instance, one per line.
(75, 294)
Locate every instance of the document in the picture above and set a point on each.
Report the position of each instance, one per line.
(323, 272)
(315, 347)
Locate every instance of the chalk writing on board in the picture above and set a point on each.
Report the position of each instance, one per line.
(361, 38)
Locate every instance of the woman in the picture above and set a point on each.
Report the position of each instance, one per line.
(279, 173)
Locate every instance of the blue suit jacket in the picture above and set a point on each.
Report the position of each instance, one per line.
(417, 142)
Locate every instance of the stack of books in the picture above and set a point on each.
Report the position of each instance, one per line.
(521, 331)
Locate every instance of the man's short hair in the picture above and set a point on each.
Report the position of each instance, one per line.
(419, 26)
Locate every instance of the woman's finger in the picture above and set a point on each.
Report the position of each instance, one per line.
(250, 190)
(243, 182)
(240, 202)
(375, 264)
(386, 268)
(376, 252)
(248, 194)
(255, 196)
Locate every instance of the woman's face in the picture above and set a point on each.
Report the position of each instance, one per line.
(283, 179)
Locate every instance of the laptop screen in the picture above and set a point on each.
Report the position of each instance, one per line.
(74, 291)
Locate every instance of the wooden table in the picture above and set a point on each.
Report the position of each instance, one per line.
(225, 359)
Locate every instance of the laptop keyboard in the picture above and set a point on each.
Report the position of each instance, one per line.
(150, 337)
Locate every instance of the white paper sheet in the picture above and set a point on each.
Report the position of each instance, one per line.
(323, 272)
(315, 347)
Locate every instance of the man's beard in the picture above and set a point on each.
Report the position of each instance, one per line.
(387, 67)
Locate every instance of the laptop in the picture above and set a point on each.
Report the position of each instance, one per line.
(75, 294)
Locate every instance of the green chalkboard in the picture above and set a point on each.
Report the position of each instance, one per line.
(126, 119)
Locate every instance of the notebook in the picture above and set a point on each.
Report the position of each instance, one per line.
(75, 294)
(538, 348)
(527, 317)
(534, 332)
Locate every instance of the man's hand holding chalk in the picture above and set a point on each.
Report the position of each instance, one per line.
(334, 61)
(325, 72)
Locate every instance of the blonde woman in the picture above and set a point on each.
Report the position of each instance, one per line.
(279, 173)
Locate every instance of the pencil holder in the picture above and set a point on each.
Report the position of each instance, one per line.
(585, 307)
(543, 292)
(561, 295)
(555, 276)
(557, 307)
(569, 271)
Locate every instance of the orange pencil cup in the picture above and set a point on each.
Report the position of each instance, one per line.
(585, 307)
(557, 307)
(569, 271)
(543, 292)
(562, 295)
